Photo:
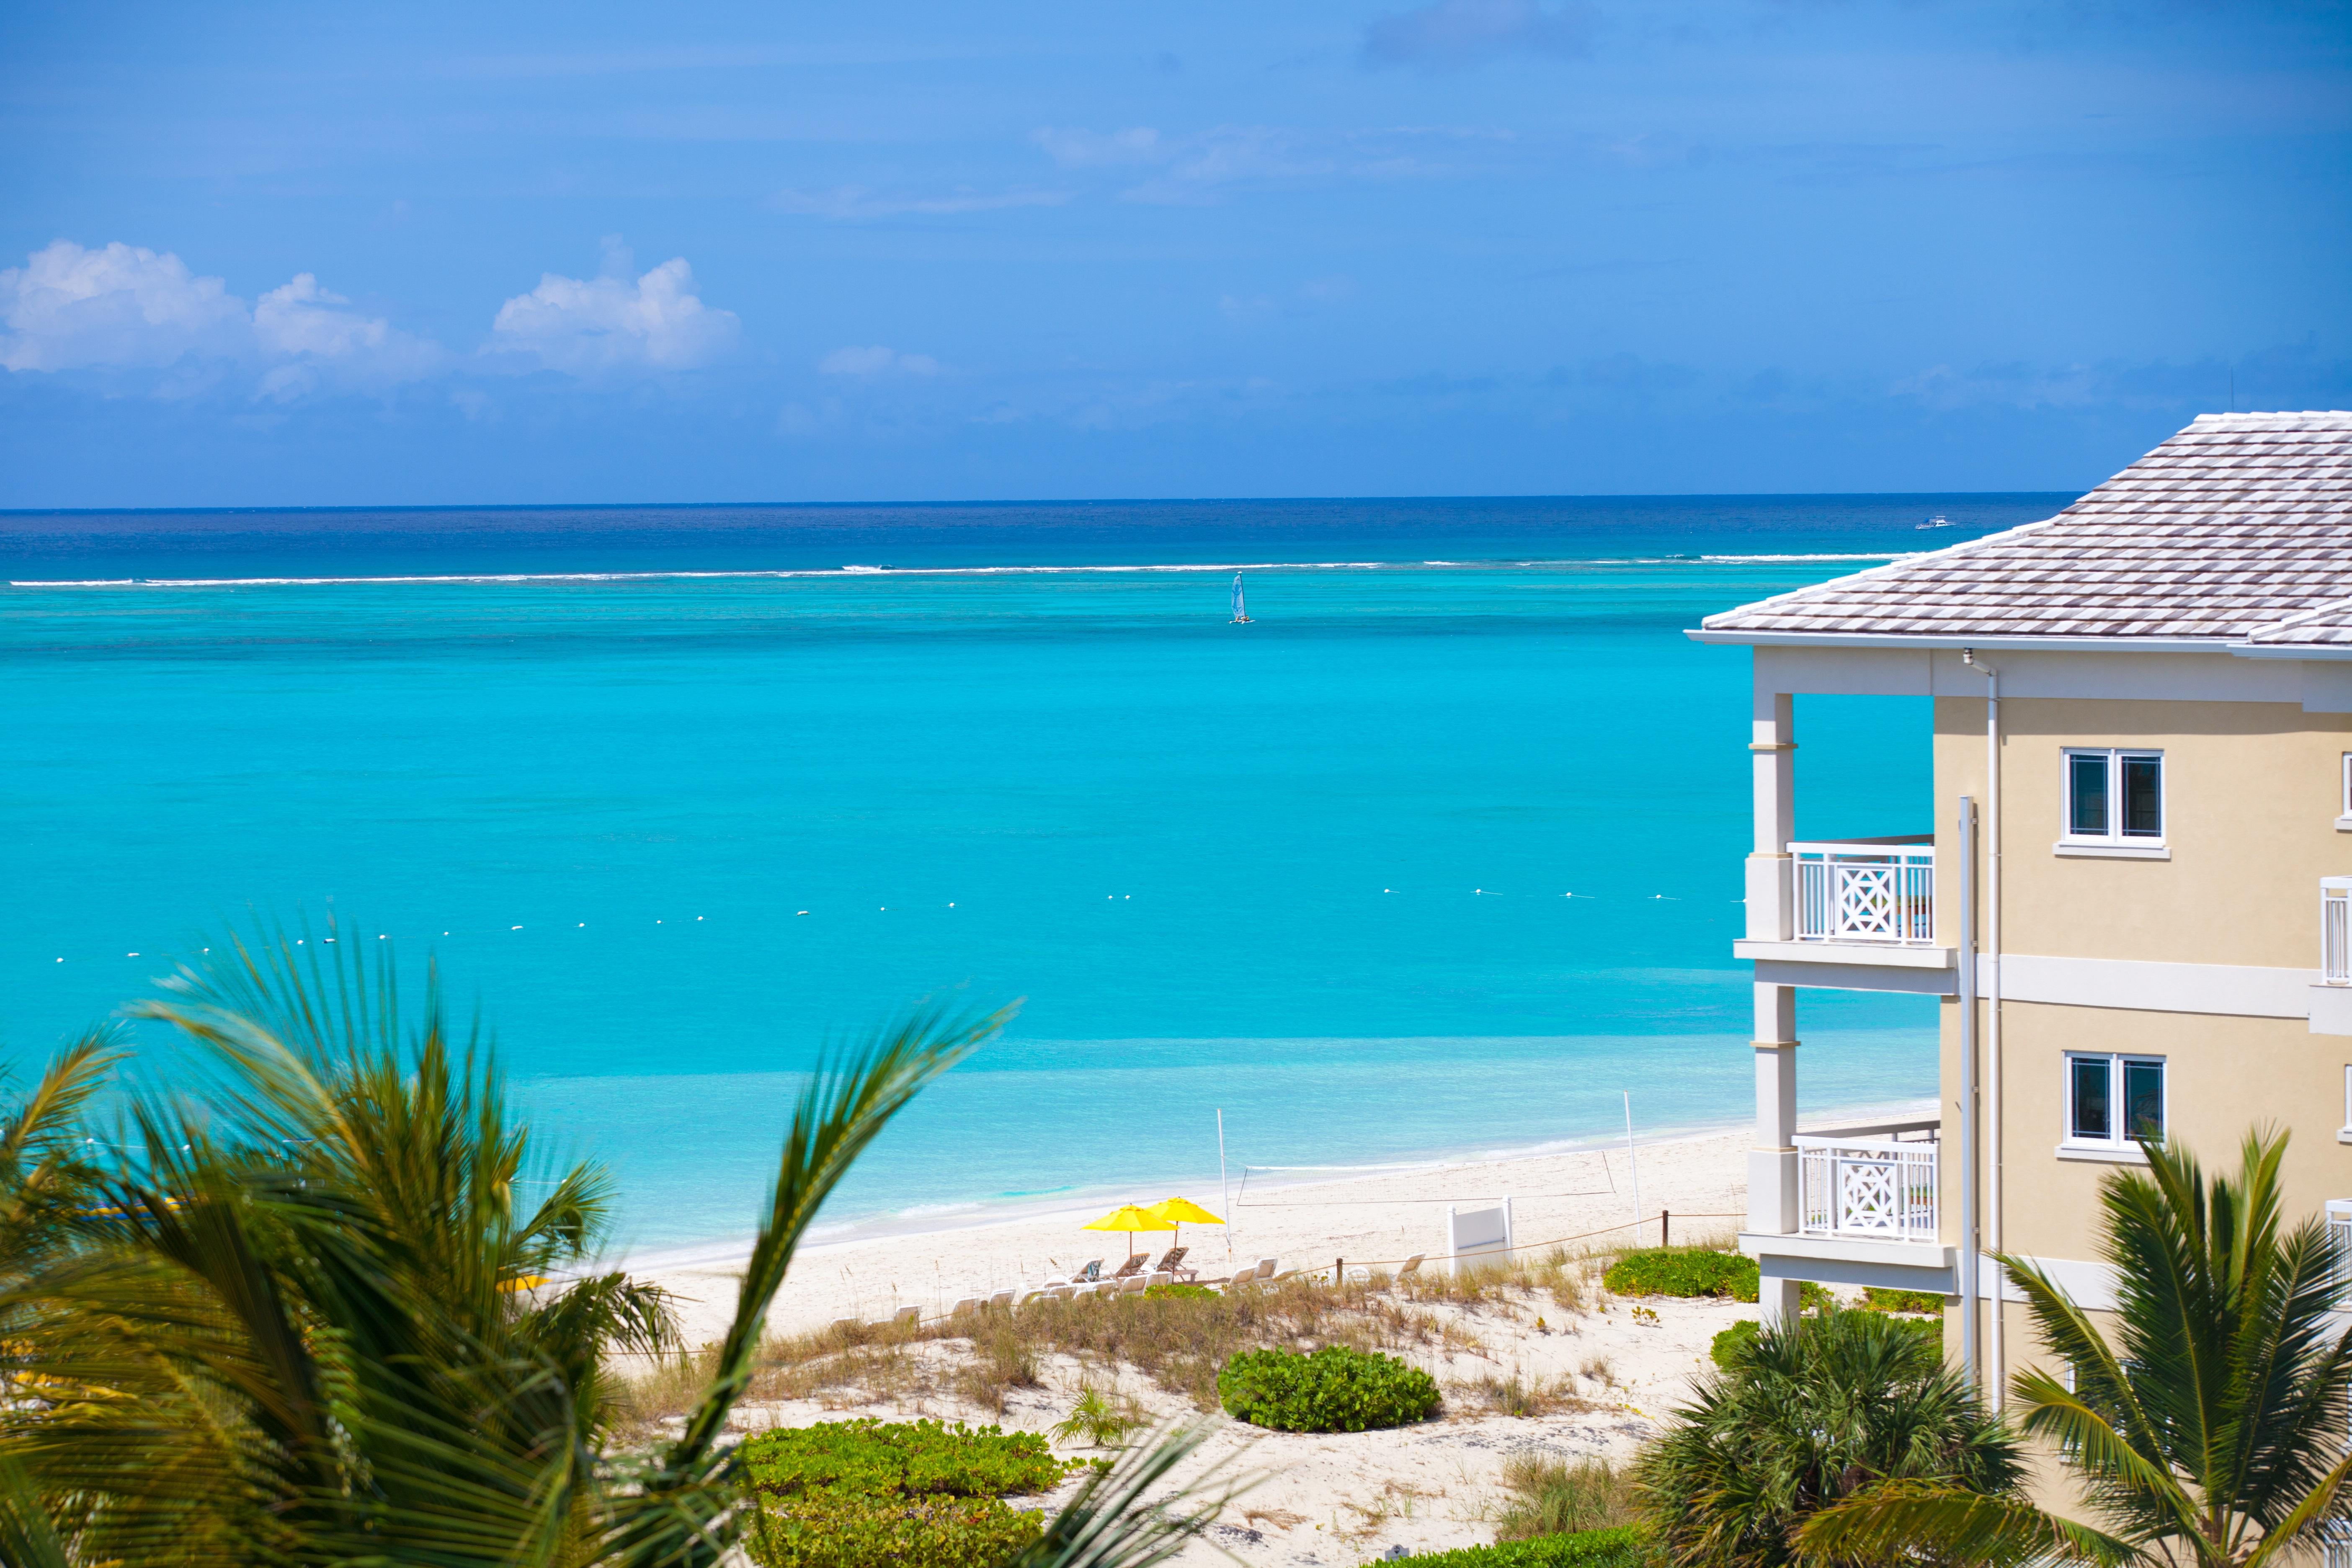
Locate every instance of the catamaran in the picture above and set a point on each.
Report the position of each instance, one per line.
(1241, 614)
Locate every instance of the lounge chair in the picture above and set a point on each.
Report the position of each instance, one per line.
(1091, 1272)
(1133, 1283)
(1158, 1277)
(1173, 1262)
(1411, 1265)
(1001, 1298)
(964, 1304)
(1133, 1266)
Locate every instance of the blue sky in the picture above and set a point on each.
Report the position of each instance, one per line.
(262, 254)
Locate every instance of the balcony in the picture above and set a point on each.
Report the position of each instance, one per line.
(1869, 1188)
(1856, 914)
(1868, 890)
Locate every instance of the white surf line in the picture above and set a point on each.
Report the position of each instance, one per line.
(495, 578)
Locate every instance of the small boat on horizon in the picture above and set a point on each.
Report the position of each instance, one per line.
(1240, 612)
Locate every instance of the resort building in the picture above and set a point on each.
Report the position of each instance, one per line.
(2132, 889)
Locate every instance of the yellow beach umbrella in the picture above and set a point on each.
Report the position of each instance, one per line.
(1182, 1211)
(1129, 1219)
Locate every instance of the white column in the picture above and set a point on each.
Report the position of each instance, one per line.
(1772, 907)
(1771, 917)
(1772, 1174)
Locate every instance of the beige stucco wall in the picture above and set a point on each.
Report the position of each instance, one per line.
(2253, 790)
(2224, 1076)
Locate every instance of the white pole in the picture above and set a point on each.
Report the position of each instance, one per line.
(1633, 1160)
(1223, 1189)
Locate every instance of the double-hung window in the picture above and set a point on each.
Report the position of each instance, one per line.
(2114, 1101)
(2114, 797)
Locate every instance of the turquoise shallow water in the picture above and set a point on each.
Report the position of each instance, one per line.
(1315, 870)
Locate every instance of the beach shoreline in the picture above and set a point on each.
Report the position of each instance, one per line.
(1379, 1214)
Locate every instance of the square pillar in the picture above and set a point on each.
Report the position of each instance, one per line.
(1772, 882)
(1772, 1174)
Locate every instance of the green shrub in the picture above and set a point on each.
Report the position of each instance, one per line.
(1881, 1298)
(1726, 1345)
(834, 1529)
(1621, 1547)
(1334, 1390)
(917, 1494)
(1178, 1293)
(1677, 1271)
(915, 1458)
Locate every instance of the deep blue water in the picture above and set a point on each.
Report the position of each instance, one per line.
(1314, 870)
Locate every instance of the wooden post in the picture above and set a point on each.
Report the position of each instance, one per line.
(1666, 1225)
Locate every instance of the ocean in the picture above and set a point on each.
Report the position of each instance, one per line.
(1440, 854)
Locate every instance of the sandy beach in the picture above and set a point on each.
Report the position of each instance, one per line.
(1582, 1198)
(1605, 1371)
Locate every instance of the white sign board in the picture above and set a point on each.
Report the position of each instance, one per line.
(1478, 1238)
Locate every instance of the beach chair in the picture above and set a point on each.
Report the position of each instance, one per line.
(1001, 1298)
(1411, 1266)
(909, 1316)
(1022, 1299)
(1266, 1266)
(1132, 1267)
(1171, 1262)
(1158, 1277)
(1135, 1283)
(964, 1304)
(1092, 1271)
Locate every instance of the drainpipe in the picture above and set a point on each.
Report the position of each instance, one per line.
(1968, 1177)
(1995, 1359)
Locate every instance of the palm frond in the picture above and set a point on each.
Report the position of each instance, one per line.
(1897, 1521)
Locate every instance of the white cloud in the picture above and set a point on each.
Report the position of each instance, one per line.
(597, 326)
(853, 202)
(876, 360)
(298, 322)
(1090, 149)
(71, 309)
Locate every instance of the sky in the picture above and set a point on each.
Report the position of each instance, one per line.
(258, 255)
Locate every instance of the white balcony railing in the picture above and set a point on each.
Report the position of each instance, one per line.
(1868, 890)
(2335, 930)
(1875, 1189)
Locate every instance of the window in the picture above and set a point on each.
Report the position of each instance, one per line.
(2348, 1099)
(2115, 797)
(2344, 797)
(2116, 1100)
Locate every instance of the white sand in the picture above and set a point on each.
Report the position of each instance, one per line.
(1328, 1501)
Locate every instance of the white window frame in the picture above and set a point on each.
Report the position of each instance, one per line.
(2116, 1061)
(2114, 837)
(2343, 801)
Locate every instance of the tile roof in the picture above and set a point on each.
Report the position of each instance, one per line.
(2229, 529)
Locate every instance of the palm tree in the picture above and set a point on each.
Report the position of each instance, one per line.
(316, 1325)
(1810, 1412)
(2211, 1429)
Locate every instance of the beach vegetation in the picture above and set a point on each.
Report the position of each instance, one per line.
(2205, 1424)
(327, 1301)
(1683, 1271)
(1881, 1298)
(1335, 1389)
(1179, 1342)
(1617, 1546)
(1518, 1394)
(910, 1459)
(1808, 1413)
(1102, 1421)
(1552, 1496)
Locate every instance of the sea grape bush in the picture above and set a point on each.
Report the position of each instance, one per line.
(1335, 1389)
(917, 1494)
(1677, 1271)
(829, 1530)
(910, 1459)
(1624, 1546)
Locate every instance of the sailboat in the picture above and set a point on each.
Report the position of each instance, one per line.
(1240, 613)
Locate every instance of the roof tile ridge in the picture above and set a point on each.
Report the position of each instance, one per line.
(2317, 612)
(1910, 561)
